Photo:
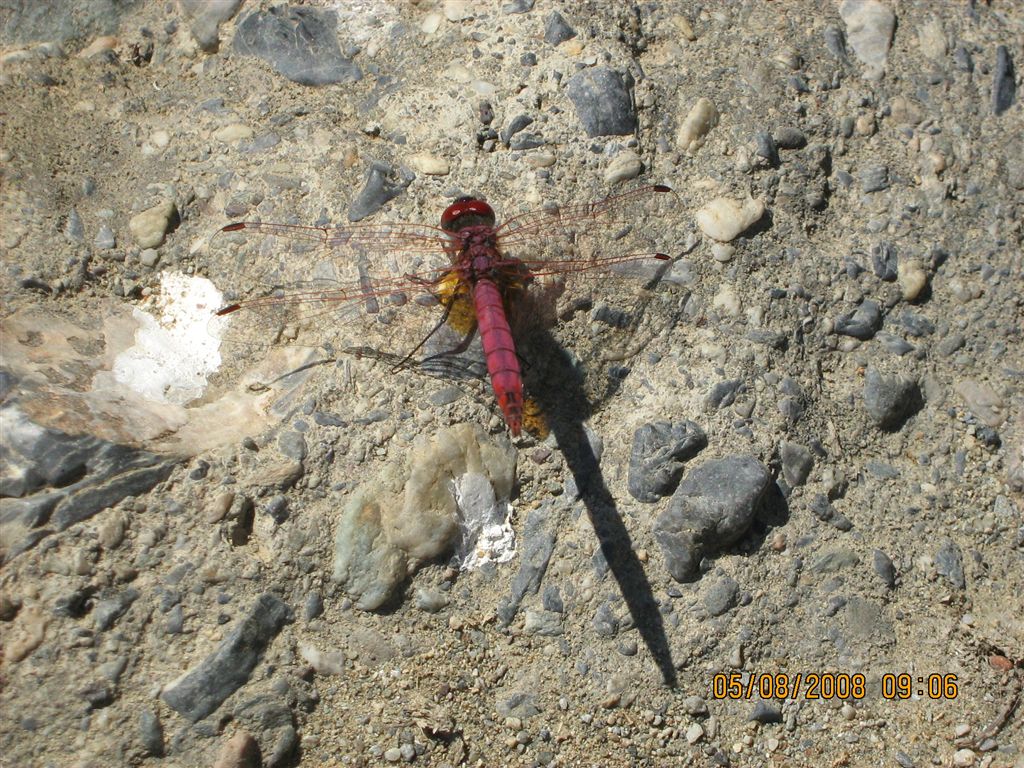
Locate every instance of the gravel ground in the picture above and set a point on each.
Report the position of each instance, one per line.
(781, 526)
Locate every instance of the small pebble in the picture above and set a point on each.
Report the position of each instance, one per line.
(625, 166)
(725, 219)
(702, 117)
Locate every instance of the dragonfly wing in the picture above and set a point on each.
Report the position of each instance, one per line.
(334, 289)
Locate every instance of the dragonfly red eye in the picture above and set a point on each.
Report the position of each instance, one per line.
(472, 207)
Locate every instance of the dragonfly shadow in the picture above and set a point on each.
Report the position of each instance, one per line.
(557, 387)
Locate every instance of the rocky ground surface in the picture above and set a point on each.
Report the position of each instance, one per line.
(788, 531)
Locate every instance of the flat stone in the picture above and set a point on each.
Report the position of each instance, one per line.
(149, 227)
(725, 219)
(300, 43)
(702, 117)
(659, 452)
(202, 690)
(869, 28)
(713, 507)
(603, 102)
(890, 400)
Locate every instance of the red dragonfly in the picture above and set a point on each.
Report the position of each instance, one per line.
(369, 287)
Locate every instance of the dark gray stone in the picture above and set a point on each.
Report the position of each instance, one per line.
(765, 148)
(835, 560)
(151, 733)
(538, 544)
(713, 508)
(659, 451)
(949, 563)
(885, 261)
(517, 6)
(299, 43)
(557, 29)
(518, 123)
(789, 137)
(721, 596)
(552, 599)
(313, 607)
(824, 511)
(835, 42)
(201, 691)
(112, 607)
(916, 325)
(74, 229)
(1003, 81)
(766, 713)
(605, 622)
(863, 322)
(603, 102)
(723, 394)
(874, 178)
(890, 400)
(206, 17)
(797, 462)
(884, 568)
(382, 183)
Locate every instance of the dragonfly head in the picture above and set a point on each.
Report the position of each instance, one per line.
(467, 212)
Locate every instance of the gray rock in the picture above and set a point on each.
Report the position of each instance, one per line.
(890, 400)
(431, 600)
(151, 733)
(862, 323)
(518, 123)
(835, 559)
(916, 325)
(557, 29)
(104, 240)
(113, 607)
(545, 623)
(765, 148)
(721, 596)
(874, 178)
(656, 461)
(313, 607)
(603, 102)
(712, 509)
(274, 721)
(552, 599)
(835, 42)
(884, 568)
(292, 444)
(766, 713)
(299, 43)
(74, 230)
(884, 261)
(789, 137)
(202, 690)
(797, 462)
(175, 622)
(869, 28)
(824, 511)
(520, 704)
(1003, 81)
(723, 394)
(517, 6)
(538, 544)
(381, 184)
(54, 480)
(206, 17)
(605, 623)
(949, 563)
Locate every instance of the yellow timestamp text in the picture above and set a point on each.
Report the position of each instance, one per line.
(830, 685)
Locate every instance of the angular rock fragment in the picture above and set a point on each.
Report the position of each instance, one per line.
(299, 43)
(200, 691)
(603, 102)
(713, 507)
(659, 451)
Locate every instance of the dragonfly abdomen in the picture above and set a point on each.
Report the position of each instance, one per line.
(500, 351)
